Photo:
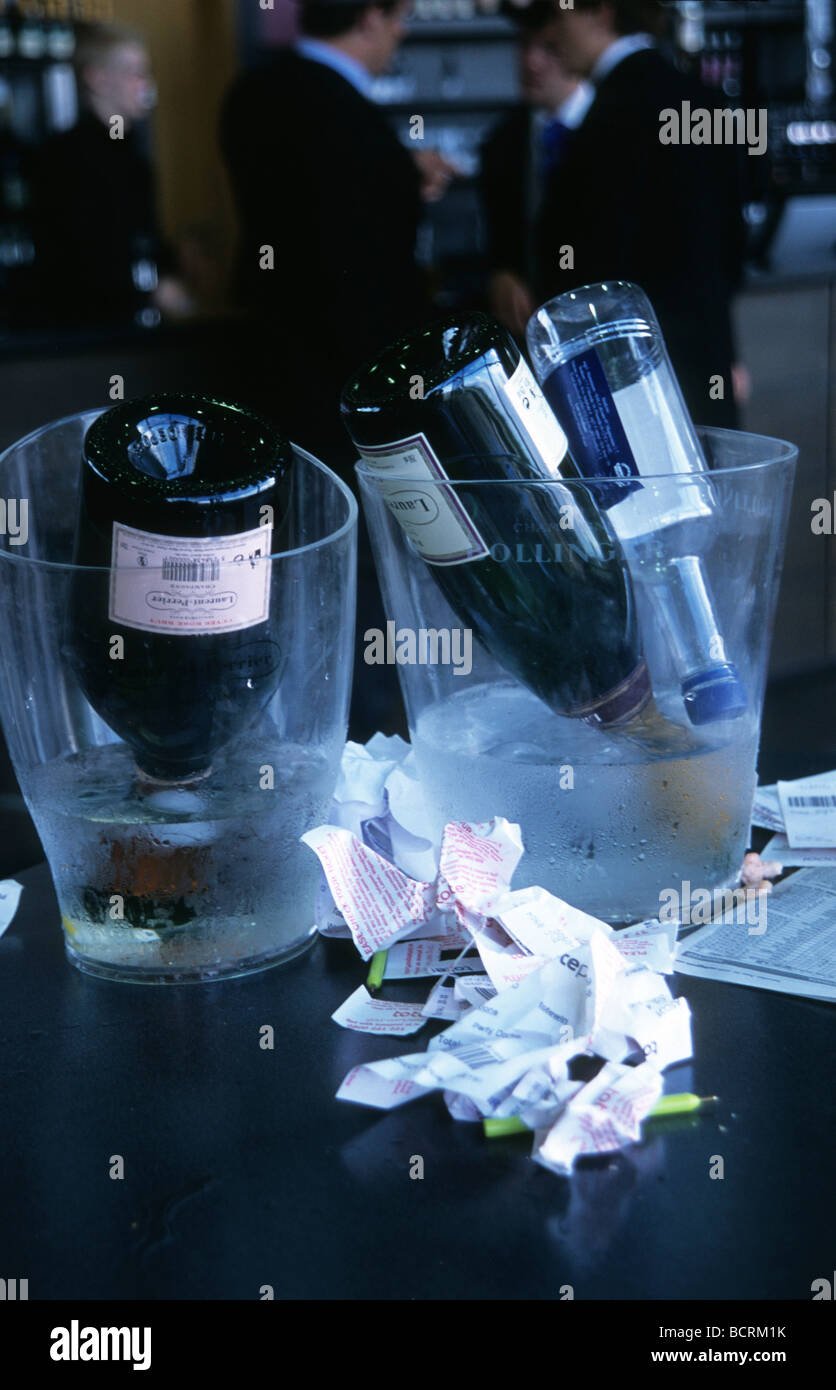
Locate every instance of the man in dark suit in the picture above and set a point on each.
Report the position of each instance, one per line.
(666, 216)
(329, 198)
(519, 157)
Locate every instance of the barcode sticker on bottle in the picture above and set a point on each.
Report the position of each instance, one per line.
(537, 417)
(191, 571)
(809, 813)
(189, 585)
(433, 517)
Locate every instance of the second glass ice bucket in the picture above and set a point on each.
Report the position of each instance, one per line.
(172, 883)
(612, 812)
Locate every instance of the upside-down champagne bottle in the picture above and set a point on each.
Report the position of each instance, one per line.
(170, 636)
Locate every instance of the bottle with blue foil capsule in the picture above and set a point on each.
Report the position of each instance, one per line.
(599, 355)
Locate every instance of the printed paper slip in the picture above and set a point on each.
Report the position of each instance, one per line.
(662, 1029)
(476, 865)
(378, 901)
(378, 798)
(559, 983)
(443, 1003)
(364, 1014)
(795, 955)
(381, 904)
(769, 812)
(766, 809)
(543, 924)
(809, 813)
(649, 943)
(427, 957)
(504, 962)
(606, 1114)
(364, 769)
(543, 1021)
(383, 1090)
(473, 990)
(782, 851)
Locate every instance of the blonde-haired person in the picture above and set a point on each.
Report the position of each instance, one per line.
(100, 256)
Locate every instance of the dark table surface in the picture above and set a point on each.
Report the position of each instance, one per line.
(241, 1169)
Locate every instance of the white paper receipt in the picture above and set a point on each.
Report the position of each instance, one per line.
(188, 585)
(433, 517)
(781, 851)
(364, 1014)
(809, 813)
(542, 984)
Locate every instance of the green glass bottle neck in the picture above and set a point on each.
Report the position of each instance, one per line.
(421, 363)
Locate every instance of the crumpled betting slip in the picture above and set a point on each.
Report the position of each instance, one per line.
(529, 982)
(378, 798)
(803, 813)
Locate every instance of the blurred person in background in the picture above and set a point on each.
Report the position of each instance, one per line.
(329, 203)
(519, 156)
(100, 256)
(666, 216)
(321, 179)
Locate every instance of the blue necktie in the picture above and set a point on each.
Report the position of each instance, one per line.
(553, 139)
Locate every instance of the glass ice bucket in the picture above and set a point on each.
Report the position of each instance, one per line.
(615, 813)
(169, 884)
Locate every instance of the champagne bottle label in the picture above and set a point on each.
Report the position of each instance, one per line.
(537, 417)
(433, 517)
(188, 585)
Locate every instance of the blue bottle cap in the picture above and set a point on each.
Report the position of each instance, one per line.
(717, 693)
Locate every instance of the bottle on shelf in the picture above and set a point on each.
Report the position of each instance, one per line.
(60, 40)
(7, 38)
(536, 572)
(180, 502)
(31, 38)
(599, 355)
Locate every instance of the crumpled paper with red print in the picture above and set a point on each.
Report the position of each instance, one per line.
(554, 984)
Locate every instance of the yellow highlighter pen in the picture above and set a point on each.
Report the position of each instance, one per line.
(682, 1104)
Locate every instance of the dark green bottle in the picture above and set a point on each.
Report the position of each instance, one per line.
(182, 497)
(535, 571)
